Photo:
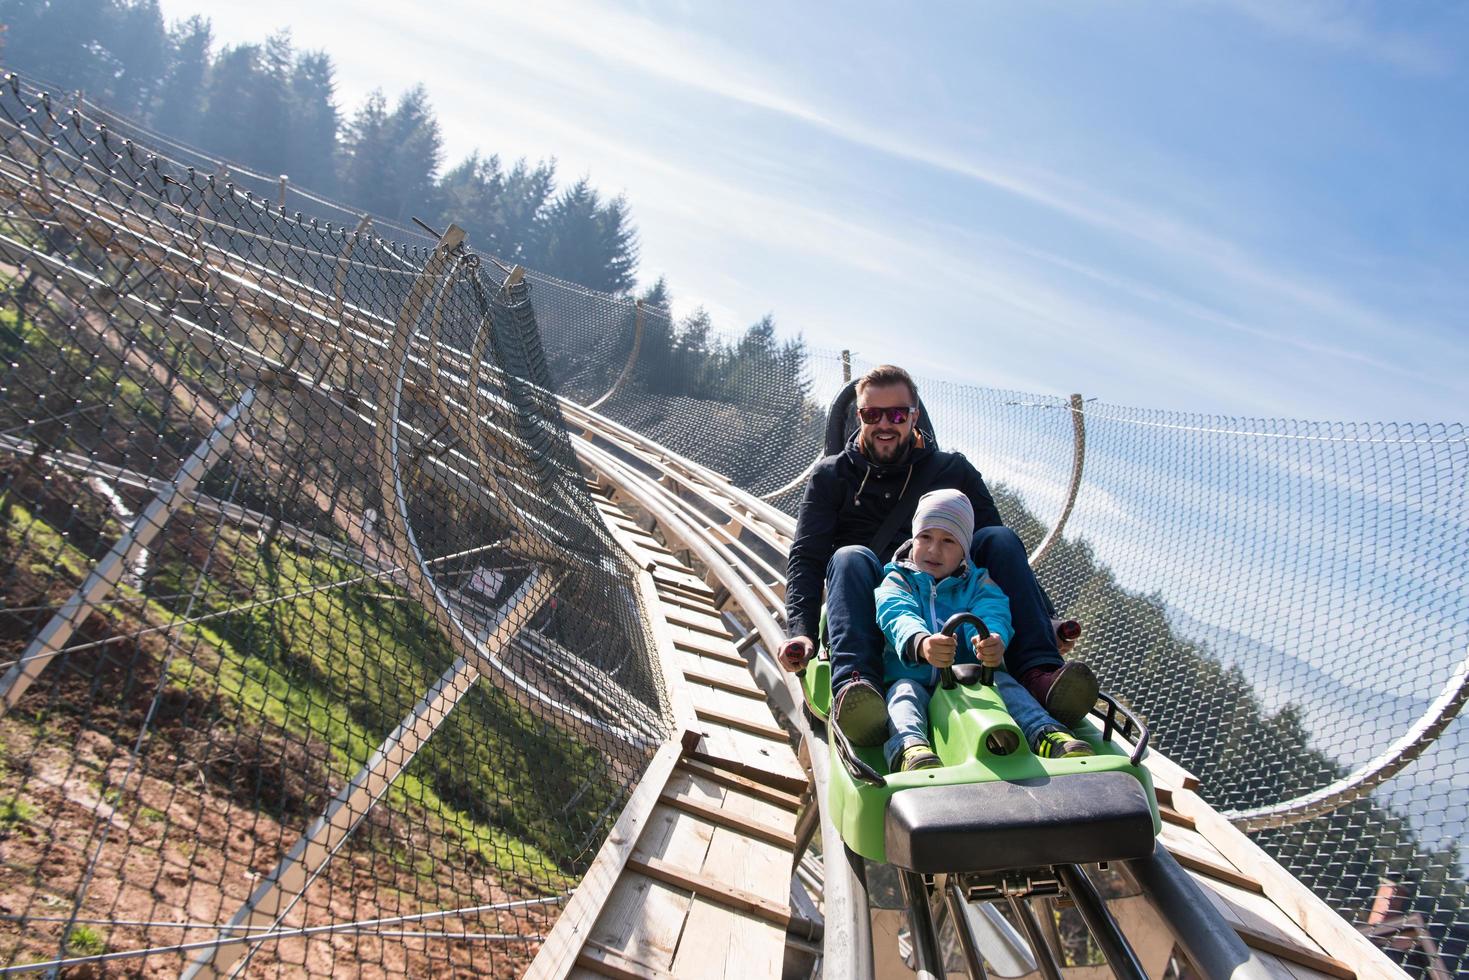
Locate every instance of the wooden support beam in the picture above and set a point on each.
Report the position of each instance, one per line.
(1300, 955)
(1174, 817)
(560, 951)
(718, 683)
(724, 658)
(715, 891)
(733, 821)
(1218, 872)
(745, 787)
(742, 724)
(619, 966)
(780, 781)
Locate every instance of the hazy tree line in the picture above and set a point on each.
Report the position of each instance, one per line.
(273, 108)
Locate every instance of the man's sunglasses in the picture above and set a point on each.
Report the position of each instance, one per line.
(896, 416)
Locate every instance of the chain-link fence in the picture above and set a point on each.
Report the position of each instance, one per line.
(1285, 601)
(316, 656)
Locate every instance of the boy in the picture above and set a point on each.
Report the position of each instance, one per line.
(928, 581)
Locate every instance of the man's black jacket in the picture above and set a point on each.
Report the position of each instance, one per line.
(846, 502)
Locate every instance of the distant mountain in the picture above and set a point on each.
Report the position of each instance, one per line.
(1342, 717)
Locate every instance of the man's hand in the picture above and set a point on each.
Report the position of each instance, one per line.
(990, 650)
(796, 651)
(938, 650)
(1068, 631)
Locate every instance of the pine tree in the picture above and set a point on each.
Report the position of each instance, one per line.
(179, 101)
(588, 242)
(314, 122)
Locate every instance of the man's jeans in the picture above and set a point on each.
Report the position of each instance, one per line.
(851, 617)
(999, 551)
(852, 577)
(908, 713)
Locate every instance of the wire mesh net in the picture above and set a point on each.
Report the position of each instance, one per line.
(394, 526)
(317, 657)
(1284, 601)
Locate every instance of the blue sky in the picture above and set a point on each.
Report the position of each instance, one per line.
(1241, 207)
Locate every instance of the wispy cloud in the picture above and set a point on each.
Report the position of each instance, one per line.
(696, 62)
(1340, 25)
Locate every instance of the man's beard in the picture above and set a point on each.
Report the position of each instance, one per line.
(874, 450)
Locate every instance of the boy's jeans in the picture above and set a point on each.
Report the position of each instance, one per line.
(908, 713)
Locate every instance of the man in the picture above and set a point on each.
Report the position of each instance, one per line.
(886, 466)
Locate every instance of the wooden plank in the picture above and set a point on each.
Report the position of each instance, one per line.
(714, 891)
(709, 680)
(710, 667)
(644, 918)
(749, 750)
(1218, 872)
(1299, 904)
(742, 786)
(558, 953)
(1167, 813)
(767, 777)
(719, 701)
(706, 623)
(702, 641)
(1181, 841)
(687, 581)
(1293, 953)
(1169, 773)
(697, 589)
(719, 942)
(742, 724)
(726, 655)
(611, 963)
(698, 604)
(732, 821)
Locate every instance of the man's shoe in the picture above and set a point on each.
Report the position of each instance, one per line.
(1061, 745)
(861, 713)
(918, 757)
(1067, 692)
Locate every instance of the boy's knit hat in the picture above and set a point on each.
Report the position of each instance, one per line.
(945, 510)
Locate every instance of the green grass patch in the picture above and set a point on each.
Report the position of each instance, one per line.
(15, 811)
(85, 941)
(328, 674)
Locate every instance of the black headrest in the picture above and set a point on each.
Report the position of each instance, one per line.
(841, 420)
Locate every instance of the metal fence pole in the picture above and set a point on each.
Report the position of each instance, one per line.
(284, 886)
(1078, 457)
(104, 577)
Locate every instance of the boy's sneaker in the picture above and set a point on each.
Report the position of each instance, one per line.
(1067, 692)
(918, 757)
(862, 713)
(1061, 745)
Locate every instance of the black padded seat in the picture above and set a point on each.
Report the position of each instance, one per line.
(998, 826)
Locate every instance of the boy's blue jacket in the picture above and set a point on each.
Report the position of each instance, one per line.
(911, 605)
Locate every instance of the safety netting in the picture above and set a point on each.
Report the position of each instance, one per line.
(316, 657)
(1285, 602)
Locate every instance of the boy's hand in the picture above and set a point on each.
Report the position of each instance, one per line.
(990, 650)
(795, 652)
(938, 650)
